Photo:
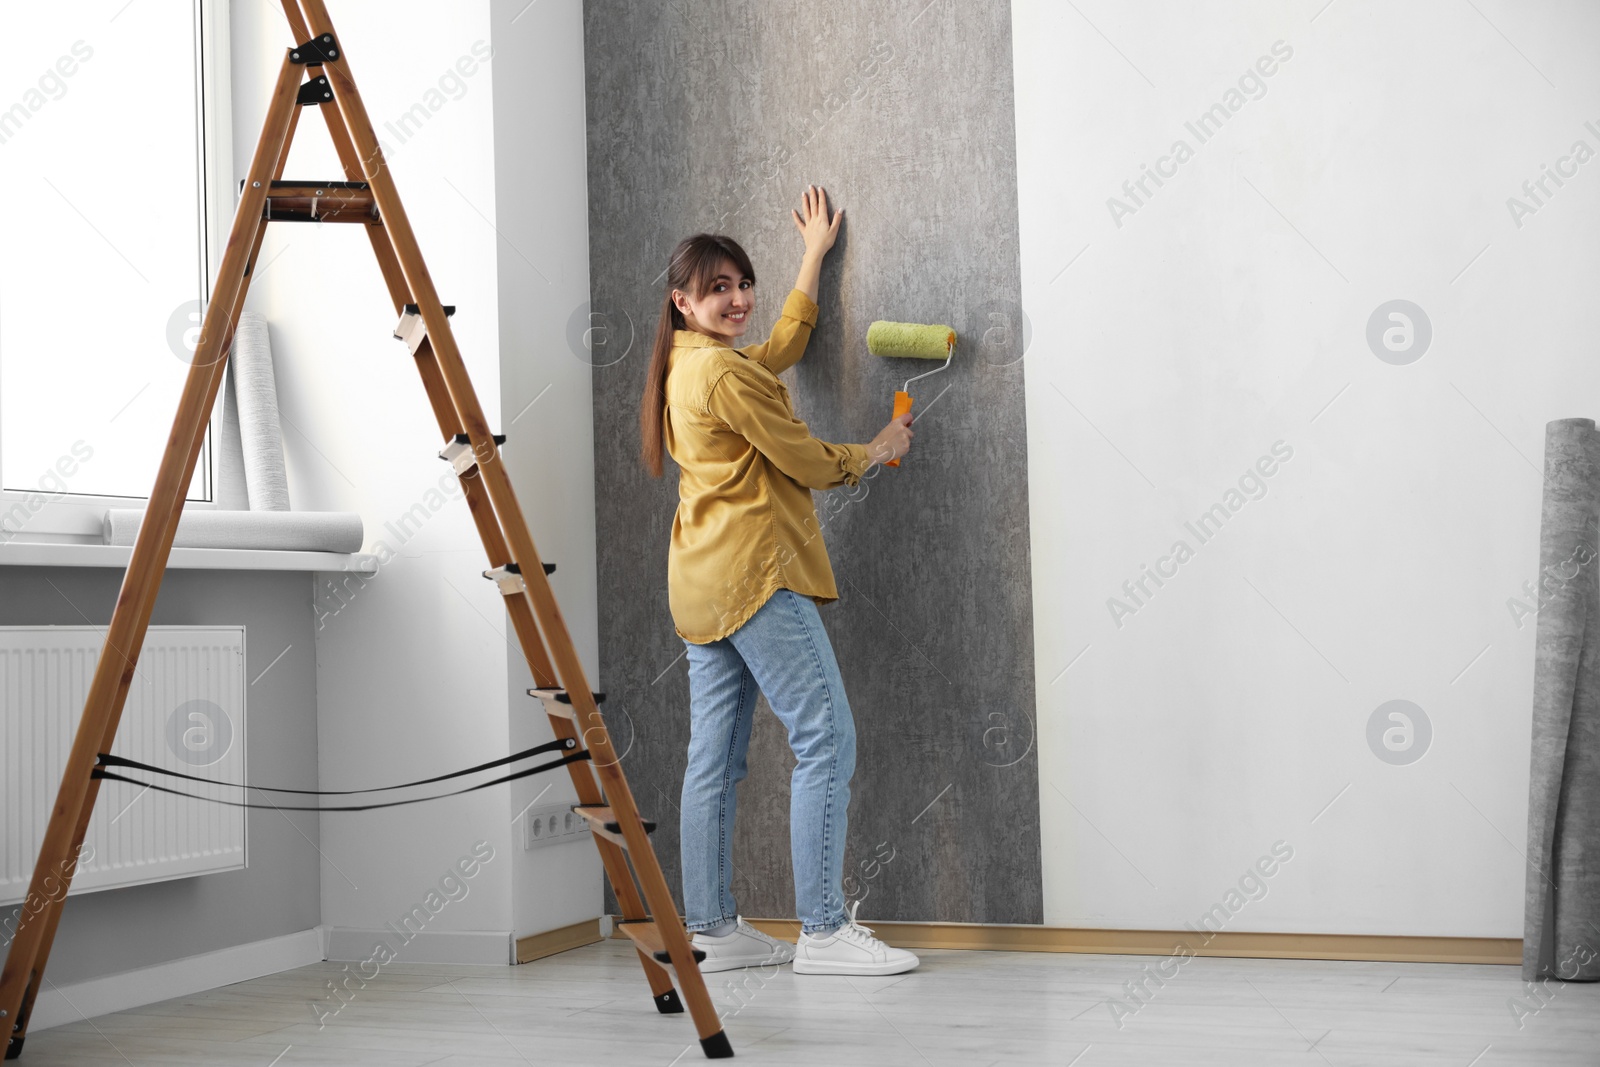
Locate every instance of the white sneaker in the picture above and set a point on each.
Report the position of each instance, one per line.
(743, 946)
(851, 949)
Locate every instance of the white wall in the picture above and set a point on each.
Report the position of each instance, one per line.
(1228, 313)
(541, 180)
(413, 667)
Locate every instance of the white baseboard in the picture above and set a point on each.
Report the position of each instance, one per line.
(179, 978)
(492, 947)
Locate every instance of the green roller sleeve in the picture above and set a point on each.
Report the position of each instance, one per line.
(909, 340)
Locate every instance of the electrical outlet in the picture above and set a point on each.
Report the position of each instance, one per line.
(551, 825)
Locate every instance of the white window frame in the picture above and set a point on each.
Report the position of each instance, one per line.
(77, 517)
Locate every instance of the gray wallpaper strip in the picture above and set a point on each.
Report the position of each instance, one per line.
(1561, 928)
(713, 116)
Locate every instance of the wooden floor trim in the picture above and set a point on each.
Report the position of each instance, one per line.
(1240, 944)
(538, 946)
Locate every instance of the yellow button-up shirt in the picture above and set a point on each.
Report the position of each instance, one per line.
(746, 525)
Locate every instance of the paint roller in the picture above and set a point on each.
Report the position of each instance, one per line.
(909, 340)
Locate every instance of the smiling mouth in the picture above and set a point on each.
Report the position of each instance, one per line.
(736, 316)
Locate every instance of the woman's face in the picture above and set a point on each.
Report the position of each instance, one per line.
(724, 312)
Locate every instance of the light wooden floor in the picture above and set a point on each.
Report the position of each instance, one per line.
(591, 1006)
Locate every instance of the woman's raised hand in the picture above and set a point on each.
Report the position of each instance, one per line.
(812, 221)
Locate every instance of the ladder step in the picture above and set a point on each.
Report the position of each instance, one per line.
(643, 932)
(604, 822)
(411, 329)
(458, 453)
(559, 703)
(298, 201)
(509, 578)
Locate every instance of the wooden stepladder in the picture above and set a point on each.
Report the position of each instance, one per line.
(315, 73)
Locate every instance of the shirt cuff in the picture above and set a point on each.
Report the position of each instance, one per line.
(854, 463)
(800, 306)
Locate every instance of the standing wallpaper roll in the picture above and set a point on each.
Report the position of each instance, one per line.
(1561, 926)
(257, 399)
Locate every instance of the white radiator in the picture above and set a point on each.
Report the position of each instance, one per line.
(185, 710)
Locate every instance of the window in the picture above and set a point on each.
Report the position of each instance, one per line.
(112, 117)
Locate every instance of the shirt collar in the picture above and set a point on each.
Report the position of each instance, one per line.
(693, 339)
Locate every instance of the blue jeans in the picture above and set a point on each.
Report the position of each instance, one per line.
(783, 650)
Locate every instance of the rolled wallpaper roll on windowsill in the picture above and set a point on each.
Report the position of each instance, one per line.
(285, 531)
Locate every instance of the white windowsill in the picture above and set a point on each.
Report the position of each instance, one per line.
(38, 554)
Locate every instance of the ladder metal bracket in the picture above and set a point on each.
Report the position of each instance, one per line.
(458, 453)
(315, 52)
(313, 92)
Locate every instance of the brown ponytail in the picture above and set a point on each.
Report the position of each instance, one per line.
(692, 269)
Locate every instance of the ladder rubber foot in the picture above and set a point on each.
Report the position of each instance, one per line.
(716, 1046)
(666, 957)
(668, 1003)
(14, 1049)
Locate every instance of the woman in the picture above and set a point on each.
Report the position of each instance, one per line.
(745, 573)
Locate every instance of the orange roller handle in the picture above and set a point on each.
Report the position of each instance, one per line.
(902, 404)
